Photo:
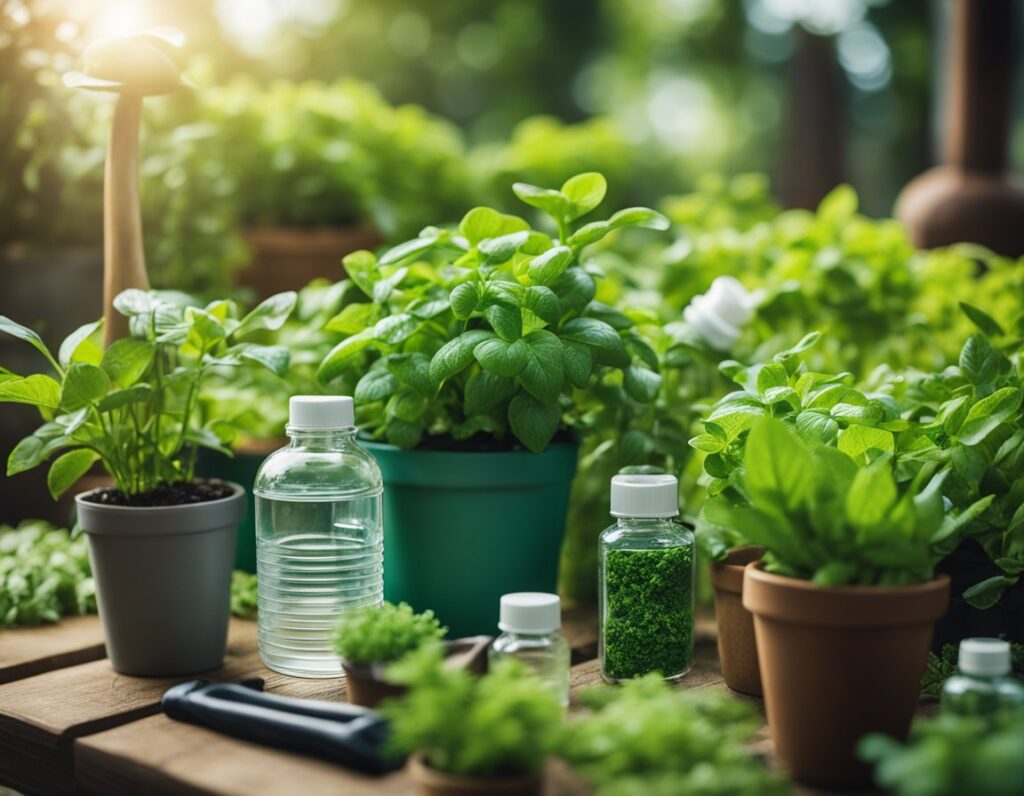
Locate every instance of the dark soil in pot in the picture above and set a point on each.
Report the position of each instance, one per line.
(180, 493)
(836, 664)
(431, 782)
(737, 648)
(966, 566)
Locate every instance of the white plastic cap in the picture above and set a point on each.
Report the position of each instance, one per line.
(530, 612)
(645, 496)
(984, 657)
(310, 412)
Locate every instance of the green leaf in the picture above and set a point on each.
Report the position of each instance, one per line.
(67, 469)
(584, 192)
(617, 320)
(84, 384)
(979, 362)
(410, 249)
(465, 299)
(408, 405)
(771, 375)
(542, 302)
(552, 202)
(872, 495)
(641, 384)
(500, 249)
(988, 413)
(127, 359)
(352, 319)
(37, 390)
(867, 415)
(985, 322)
(579, 363)
(79, 346)
(708, 443)
(630, 217)
(778, 467)
(602, 338)
(506, 319)
(375, 385)
(136, 394)
(394, 329)
(856, 441)
(414, 370)
(134, 302)
(342, 354)
(533, 422)
(544, 371)
(456, 354)
(501, 357)
(575, 290)
(33, 451)
(274, 358)
(15, 329)
(546, 268)
(361, 267)
(403, 434)
(988, 592)
(268, 314)
(484, 222)
(484, 391)
(204, 329)
(815, 426)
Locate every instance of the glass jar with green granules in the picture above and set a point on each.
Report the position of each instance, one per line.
(646, 581)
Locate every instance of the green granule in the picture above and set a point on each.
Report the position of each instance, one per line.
(649, 615)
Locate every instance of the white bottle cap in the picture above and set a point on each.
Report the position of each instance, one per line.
(530, 612)
(310, 412)
(645, 496)
(984, 657)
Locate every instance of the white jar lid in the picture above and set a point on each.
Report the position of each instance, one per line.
(984, 657)
(311, 412)
(645, 496)
(530, 612)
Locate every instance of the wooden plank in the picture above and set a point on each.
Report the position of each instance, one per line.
(41, 716)
(28, 651)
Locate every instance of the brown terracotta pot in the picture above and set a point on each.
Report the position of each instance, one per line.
(737, 650)
(286, 258)
(431, 782)
(368, 686)
(838, 663)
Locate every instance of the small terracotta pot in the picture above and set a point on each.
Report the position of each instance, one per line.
(368, 686)
(431, 782)
(737, 650)
(838, 663)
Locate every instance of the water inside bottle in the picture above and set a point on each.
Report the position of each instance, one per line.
(316, 559)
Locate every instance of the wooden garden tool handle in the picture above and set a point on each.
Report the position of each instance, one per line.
(124, 263)
(981, 72)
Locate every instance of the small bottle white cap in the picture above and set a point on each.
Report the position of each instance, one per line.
(645, 496)
(311, 412)
(984, 657)
(530, 612)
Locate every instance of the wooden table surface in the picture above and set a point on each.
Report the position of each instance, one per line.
(70, 724)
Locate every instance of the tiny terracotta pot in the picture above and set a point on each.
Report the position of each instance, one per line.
(737, 650)
(431, 782)
(838, 663)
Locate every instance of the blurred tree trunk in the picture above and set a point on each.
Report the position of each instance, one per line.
(811, 152)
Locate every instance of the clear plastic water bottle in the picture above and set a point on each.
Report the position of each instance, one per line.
(319, 536)
(982, 684)
(529, 623)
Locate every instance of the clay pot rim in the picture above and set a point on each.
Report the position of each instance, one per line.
(727, 574)
(423, 771)
(369, 671)
(802, 602)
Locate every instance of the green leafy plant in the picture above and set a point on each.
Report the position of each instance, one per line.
(44, 575)
(973, 420)
(244, 595)
(133, 406)
(503, 724)
(490, 328)
(951, 755)
(384, 633)
(822, 517)
(644, 737)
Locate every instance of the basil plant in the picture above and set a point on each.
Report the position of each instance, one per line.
(488, 329)
(134, 405)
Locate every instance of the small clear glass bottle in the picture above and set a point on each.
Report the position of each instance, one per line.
(529, 626)
(982, 684)
(646, 576)
(319, 536)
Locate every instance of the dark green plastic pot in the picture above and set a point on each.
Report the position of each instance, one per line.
(240, 468)
(461, 529)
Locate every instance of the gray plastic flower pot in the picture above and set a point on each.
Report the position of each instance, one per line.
(163, 581)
